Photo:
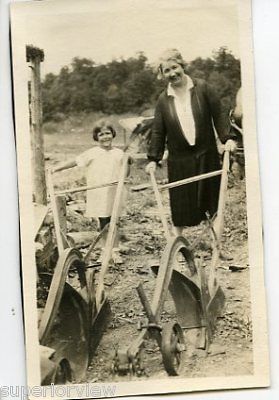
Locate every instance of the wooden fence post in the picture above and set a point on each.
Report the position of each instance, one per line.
(35, 56)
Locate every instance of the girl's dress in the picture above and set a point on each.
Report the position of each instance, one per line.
(102, 166)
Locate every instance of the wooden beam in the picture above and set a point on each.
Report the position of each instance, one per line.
(56, 219)
(62, 216)
(35, 56)
(192, 179)
(219, 224)
(84, 188)
(182, 182)
(111, 232)
(160, 205)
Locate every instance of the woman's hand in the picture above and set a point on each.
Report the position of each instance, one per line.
(230, 145)
(151, 167)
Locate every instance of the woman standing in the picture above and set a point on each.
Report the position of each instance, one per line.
(185, 117)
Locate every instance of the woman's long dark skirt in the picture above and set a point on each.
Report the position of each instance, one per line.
(189, 203)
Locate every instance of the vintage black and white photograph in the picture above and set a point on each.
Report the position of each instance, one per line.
(139, 197)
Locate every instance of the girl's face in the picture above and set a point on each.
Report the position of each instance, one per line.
(105, 137)
(173, 73)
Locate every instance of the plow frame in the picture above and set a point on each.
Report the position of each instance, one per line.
(198, 299)
(90, 299)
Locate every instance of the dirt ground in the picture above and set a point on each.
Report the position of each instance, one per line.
(142, 244)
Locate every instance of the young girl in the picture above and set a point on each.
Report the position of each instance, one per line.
(103, 164)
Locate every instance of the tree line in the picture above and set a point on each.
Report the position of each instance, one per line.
(128, 85)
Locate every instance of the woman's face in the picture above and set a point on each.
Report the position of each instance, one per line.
(105, 138)
(173, 73)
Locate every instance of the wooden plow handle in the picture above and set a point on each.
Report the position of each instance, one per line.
(219, 222)
(57, 227)
(84, 188)
(181, 182)
(222, 195)
(192, 179)
(111, 231)
(160, 205)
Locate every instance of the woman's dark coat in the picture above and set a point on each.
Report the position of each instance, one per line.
(190, 202)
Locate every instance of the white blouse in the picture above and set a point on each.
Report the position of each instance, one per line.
(184, 111)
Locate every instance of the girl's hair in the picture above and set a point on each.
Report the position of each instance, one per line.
(170, 55)
(99, 126)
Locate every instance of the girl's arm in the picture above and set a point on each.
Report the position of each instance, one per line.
(66, 165)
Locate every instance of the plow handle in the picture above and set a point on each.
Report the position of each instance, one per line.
(219, 222)
(111, 230)
(222, 196)
(57, 227)
(160, 204)
(145, 303)
(151, 317)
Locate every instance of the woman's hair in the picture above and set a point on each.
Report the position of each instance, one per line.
(170, 55)
(99, 126)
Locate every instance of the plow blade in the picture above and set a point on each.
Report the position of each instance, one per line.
(69, 332)
(187, 299)
(196, 309)
(98, 326)
(71, 323)
(215, 307)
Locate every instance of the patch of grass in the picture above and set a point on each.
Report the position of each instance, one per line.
(50, 127)
(83, 123)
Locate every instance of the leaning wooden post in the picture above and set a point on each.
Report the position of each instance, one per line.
(35, 56)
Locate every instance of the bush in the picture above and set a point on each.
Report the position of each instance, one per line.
(127, 85)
